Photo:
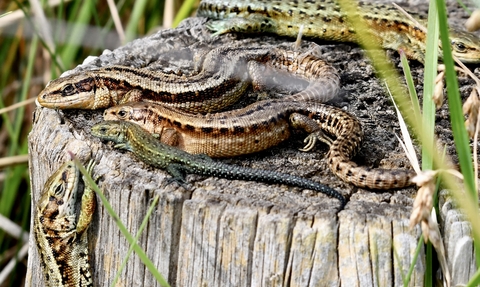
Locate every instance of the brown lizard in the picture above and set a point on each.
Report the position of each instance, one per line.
(326, 20)
(61, 239)
(260, 126)
(226, 74)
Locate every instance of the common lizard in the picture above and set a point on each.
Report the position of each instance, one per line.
(325, 20)
(260, 126)
(225, 75)
(177, 163)
(61, 239)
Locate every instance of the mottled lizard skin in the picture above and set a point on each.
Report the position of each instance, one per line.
(260, 126)
(390, 28)
(226, 73)
(61, 239)
(177, 163)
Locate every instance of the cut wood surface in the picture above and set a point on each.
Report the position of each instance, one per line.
(221, 232)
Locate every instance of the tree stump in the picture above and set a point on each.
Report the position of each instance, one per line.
(225, 232)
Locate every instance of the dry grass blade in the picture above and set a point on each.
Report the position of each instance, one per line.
(435, 238)
(13, 160)
(168, 14)
(298, 41)
(475, 149)
(17, 105)
(116, 20)
(42, 24)
(13, 229)
(11, 265)
(407, 143)
(423, 28)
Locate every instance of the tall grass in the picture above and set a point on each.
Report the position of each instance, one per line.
(423, 129)
(32, 53)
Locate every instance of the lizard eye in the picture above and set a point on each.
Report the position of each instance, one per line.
(68, 90)
(122, 114)
(459, 47)
(58, 189)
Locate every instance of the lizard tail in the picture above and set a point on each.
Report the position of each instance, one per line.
(268, 176)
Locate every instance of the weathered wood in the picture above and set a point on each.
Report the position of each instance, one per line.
(236, 233)
(458, 244)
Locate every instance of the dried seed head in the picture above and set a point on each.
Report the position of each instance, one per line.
(424, 200)
(473, 23)
(438, 96)
(471, 108)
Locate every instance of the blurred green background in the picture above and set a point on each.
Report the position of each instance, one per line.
(38, 41)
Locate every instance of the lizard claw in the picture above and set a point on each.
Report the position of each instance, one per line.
(312, 139)
(90, 166)
(180, 181)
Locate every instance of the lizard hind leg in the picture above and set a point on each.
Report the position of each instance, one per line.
(309, 125)
(177, 175)
(88, 202)
(312, 139)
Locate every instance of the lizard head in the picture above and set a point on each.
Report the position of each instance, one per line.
(76, 91)
(138, 113)
(120, 112)
(59, 193)
(114, 131)
(465, 46)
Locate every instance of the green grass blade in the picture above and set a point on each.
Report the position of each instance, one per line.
(15, 174)
(184, 12)
(455, 106)
(131, 240)
(72, 47)
(406, 280)
(475, 280)
(137, 13)
(429, 109)
(428, 121)
(464, 7)
(137, 236)
(35, 28)
(411, 87)
(459, 132)
(7, 49)
(462, 141)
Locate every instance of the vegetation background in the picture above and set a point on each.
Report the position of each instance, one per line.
(40, 39)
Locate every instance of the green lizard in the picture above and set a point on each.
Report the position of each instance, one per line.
(324, 19)
(131, 137)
